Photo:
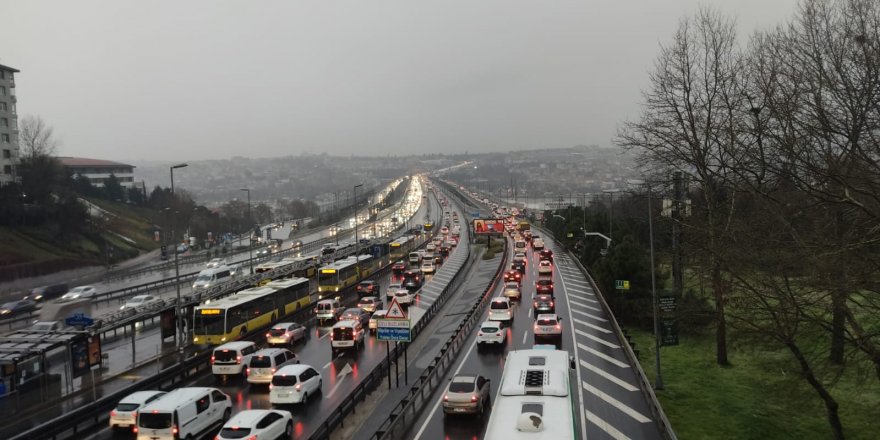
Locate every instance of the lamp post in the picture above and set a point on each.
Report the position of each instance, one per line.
(611, 211)
(659, 383)
(357, 243)
(180, 333)
(251, 235)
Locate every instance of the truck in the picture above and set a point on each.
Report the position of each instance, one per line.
(59, 311)
(523, 226)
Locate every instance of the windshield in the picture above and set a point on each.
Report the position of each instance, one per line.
(234, 432)
(327, 279)
(203, 278)
(127, 407)
(325, 306)
(154, 420)
(261, 362)
(283, 381)
(209, 324)
(461, 387)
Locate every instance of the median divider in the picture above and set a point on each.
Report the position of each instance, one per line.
(401, 419)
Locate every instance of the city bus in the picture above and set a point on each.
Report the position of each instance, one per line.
(535, 397)
(345, 273)
(401, 247)
(294, 294)
(232, 317)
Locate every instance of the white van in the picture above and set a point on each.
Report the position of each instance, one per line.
(183, 413)
(231, 358)
(211, 277)
(415, 258)
(266, 362)
(347, 335)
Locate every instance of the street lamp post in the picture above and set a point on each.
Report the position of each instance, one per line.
(357, 243)
(180, 333)
(611, 211)
(249, 226)
(659, 383)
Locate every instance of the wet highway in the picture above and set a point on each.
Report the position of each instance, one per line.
(315, 351)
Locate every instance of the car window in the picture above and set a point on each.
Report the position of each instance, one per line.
(268, 420)
(202, 404)
(280, 358)
(218, 396)
(500, 305)
(461, 387)
(480, 382)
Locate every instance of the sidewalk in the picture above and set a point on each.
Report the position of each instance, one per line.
(422, 352)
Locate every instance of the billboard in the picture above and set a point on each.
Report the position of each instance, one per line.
(489, 226)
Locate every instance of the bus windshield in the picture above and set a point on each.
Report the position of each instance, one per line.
(327, 279)
(209, 324)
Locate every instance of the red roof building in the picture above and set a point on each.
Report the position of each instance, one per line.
(98, 170)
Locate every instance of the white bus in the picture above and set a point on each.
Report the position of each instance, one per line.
(535, 397)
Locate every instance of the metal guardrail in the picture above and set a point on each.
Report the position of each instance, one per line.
(379, 372)
(402, 417)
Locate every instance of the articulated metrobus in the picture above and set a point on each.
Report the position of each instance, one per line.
(400, 248)
(535, 398)
(234, 316)
(293, 294)
(345, 273)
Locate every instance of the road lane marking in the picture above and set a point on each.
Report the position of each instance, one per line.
(525, 336)
(328, 364)
(597, 339)
(621, 383)
(602, 355)
(603, 425)
(616, 403)
(530, 312)
(437, 405)
(589, 315)
(580, 304)
(576, 356)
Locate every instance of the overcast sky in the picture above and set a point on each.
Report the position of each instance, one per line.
(184, 80)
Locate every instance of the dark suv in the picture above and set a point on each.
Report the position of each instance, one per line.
(47, 292)
(368, 288)
(412, 280)
(519, 265)
(544, 304)
(546, 254)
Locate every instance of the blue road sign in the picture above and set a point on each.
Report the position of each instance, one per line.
(475, 214)
(398, 334)
(79, 320)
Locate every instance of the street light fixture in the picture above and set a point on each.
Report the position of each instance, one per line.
(180, 333)
(251, 235)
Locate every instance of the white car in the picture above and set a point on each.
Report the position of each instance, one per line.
(374, 320)
(139, 301)
(545, 268)
(125, 413)
(428, 265)
(548, 326)
(491, 333)
(403, 297)
(500, 310)
(512, 290)
(216, 262)
(258, 423)
(80, 292)
(285, 333)
(537, 242)
(392, 289)
(294, 384)
(519, 256)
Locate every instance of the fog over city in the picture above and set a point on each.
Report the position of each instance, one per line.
(170, 80)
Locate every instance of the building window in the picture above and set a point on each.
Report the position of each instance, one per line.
(3, 106)
(7, 154)
(5, 138)
(2, 74)
(2, 90)
(4, 122)
(7, 169)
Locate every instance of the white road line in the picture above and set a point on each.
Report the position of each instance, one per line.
(597, 339)
(577, 358)
(603, 356)
(581, 284)
(530, 312)
(621, 383)
(328, 364)
(603, 425)
(335, 387)
(437, 405)
(428, 296)
(580, 304)
(592, 326)
(617, 404)
(590, 316)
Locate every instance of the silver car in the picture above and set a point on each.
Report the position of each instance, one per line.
(466, 394)
(512, 290)
(285, 333)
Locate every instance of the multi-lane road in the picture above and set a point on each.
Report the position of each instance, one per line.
(315, 351)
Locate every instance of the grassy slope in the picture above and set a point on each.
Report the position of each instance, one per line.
(760, 397)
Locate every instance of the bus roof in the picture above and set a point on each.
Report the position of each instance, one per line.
(284, 283)
(237, 298)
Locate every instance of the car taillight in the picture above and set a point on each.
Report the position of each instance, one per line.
(536, 326)
(113, 413)
(270, 386)
(273, 371)
(536, 304)
(474, 398)
(558, 327)
(267, 335)
(446, 398)
(134, 429)
(247, 371)
(174, 430)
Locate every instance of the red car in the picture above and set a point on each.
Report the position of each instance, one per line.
(544, 286)
(513, 275)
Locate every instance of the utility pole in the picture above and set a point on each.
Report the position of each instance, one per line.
(180, 332)
(658, 385)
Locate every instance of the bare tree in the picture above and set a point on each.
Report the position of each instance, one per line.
(36, 138)
(688, 124)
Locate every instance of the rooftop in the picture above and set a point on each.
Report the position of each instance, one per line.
(84, 162)
(8, 69)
